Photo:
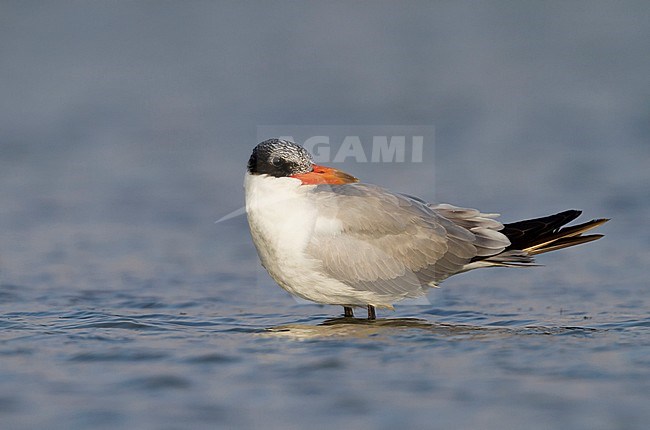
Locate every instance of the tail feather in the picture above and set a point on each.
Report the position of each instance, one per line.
(523, 233)
(564, 243)
(538, 236)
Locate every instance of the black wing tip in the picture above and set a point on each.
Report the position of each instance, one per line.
(575, 213)
(569, 215)
(538, 233)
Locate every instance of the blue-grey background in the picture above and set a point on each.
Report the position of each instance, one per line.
(124, 132)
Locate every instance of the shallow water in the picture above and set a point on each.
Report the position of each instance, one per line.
(124, 132)
(151, 357)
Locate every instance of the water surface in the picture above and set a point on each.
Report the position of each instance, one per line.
(124, 131)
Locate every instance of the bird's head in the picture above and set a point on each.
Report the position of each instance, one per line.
(281, 158)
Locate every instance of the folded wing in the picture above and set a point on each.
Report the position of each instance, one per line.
(375, 240)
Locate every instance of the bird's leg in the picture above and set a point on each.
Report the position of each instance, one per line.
(371, 312)
(347, 312)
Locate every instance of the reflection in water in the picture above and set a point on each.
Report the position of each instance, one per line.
(357, 327)
(362, 328)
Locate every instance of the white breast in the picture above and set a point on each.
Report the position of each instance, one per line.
(282, 219)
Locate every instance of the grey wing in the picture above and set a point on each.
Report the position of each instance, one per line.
(374, 240)
(488, 239)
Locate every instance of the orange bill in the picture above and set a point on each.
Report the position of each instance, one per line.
(325, 175)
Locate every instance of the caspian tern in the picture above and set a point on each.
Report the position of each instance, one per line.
(325, 237)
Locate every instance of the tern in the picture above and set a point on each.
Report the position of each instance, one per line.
(325, 237)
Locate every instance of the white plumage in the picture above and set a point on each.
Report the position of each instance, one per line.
(326, 238)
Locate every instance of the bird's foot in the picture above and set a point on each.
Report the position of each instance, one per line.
(371, 312)
(348, 312)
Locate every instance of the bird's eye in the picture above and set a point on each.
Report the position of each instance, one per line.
(276, 161)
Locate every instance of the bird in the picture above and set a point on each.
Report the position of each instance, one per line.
(328, 238)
